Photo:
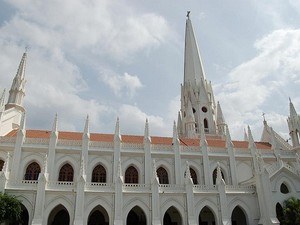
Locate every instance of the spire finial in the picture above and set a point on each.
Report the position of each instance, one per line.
(188, 14)
(86, 132)
(146, 132)
(117, 130)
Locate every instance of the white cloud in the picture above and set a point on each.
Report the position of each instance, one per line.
(133, 119)
(122, 84)
(250, 87)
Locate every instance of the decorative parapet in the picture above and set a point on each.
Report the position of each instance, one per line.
(37, 141)
(205, 188)
(190, 148)
(99, 187)
(60, 186)
(62, 142)
(163, 148)
(133, 146)
(171, 188)
(22, 184)
(136, 188)
(240, 189)
(7, 139)
(99, 144)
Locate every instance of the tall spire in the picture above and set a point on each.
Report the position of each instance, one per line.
(55, 124)
(17, 90)
(292, 109)
(193, 69)
(117, 136)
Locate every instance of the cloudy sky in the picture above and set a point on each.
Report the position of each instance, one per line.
(110, 58)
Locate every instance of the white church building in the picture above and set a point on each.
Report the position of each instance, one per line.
(199, 176)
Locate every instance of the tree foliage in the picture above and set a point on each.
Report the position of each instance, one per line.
(291, 212)
(10, 208)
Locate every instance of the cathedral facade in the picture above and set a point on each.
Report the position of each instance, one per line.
(199, 176)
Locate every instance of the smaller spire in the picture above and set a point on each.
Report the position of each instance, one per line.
(251, 140)
(55, 124)
(179, 124)
(273, 139)
(187, 171)
(117, 131)
(82, 169)
(175, 133)
(45, 166)
(147, 137)
(86, 132)
(220, 119)
(229, 143)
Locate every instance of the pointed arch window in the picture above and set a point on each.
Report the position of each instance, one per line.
(162, 175)
(99, 174)
(66, 173)
(32, 171)
(284, 189)
(215, 176)
(1, 164)
(205, 123)
(194, 176)
(131, 175)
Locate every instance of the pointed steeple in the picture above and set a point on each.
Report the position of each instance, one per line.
(86, 131)
(220, 120)
(175, 133)
(117, 136)
(251, 144)
(294, 125)
(147, 138)
(219, 179)
(179, 124)
(17, 90)
(193, 69)
(229, 143)
(55, 124)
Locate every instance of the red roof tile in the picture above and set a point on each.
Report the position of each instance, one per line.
(218, 143)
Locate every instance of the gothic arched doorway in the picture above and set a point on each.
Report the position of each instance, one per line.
(59, 216)
(238, 217)
(206, 217)
(172, 217)
(98, 216)
(136, 216)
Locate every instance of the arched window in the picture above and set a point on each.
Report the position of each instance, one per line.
(162, 175)
(215, 176)
(32, 171)
(131, 175)
(205, 125)
(194, 176)
(99, 174)
(66, 173)
(284, 189)
(1, 164)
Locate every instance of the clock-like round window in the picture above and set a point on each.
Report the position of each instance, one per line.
(204, 109)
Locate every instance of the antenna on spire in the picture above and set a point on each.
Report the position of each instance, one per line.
(188, 14)
(263, 115)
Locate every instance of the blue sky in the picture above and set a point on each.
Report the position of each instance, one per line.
(125, 58)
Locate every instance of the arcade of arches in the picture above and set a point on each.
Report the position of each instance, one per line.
(238, 217)
(131, 175)
(66, 173)
(206, 217)
(1, 164)
(32, 171)
(24, 217)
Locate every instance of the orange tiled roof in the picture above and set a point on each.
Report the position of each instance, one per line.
(67, 135)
